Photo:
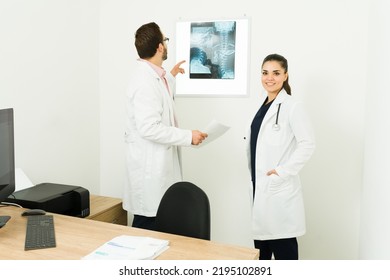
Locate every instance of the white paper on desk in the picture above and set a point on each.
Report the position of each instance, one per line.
(214, 130)
(126, 247)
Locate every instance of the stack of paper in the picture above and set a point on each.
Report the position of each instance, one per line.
(127, 247)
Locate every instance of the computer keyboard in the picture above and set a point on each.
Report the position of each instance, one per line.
(40, 232)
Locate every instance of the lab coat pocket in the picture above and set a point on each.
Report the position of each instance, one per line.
(278, 184)
(162, 159)
(135, 157)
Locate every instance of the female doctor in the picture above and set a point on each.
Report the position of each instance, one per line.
(280, 142)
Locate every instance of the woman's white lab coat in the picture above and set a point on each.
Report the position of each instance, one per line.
(278, 209)
(152, 140)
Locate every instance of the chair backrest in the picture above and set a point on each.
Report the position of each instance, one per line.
(185, 210)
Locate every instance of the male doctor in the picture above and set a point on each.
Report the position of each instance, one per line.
(152, 137)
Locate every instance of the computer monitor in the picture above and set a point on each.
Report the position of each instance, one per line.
(7, 153)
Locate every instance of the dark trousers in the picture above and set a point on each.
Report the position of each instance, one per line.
(282, 249)
(144, 222)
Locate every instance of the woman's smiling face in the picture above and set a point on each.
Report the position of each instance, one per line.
(273, 76)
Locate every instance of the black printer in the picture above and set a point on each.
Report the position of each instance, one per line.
(55, 198)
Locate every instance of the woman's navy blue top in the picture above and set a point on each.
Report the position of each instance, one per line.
(255, 128)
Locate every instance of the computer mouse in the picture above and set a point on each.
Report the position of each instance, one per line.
(32, 212)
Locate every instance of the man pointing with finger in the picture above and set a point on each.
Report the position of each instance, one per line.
(152, 136)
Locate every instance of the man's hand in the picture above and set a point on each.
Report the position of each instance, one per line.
(198, 137)
(273, 171)
(177, 69)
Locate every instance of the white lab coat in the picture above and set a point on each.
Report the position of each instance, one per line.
(152, 140)
(278, 209)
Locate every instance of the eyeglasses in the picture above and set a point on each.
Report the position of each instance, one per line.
(166, 39)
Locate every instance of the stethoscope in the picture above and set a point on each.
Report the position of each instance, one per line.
(276, 126)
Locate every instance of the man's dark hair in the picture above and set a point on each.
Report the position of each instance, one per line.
(147, 39)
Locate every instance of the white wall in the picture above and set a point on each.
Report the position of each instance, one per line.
(326, 44)
(64, 67)
(375, 224)
(49, 74)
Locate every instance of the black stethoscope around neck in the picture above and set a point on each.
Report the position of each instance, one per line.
(276, 125)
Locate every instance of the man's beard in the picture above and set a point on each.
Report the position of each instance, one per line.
(165, 54)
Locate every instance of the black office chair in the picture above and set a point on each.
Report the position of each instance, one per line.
(184, 210)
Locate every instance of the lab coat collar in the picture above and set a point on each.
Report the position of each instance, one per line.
(279, 98)
(272, 111)
(159, 70)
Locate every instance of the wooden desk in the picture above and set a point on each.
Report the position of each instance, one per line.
(107, 209)
(77, 237)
